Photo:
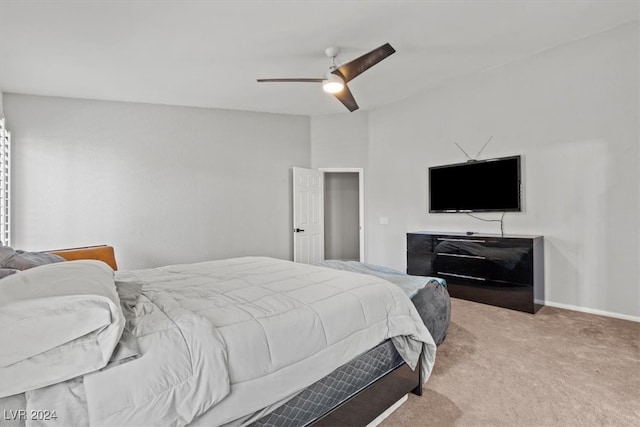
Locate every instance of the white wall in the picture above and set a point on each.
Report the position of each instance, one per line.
(162, 184)
(1, 104)
(340, 140)
(572, 113)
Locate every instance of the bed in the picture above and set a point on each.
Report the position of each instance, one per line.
(250, 341)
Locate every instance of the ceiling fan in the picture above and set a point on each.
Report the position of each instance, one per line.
(336, 79)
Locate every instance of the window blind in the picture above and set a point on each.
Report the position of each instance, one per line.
(5, 183)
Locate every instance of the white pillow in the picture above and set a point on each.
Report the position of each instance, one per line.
(57, 321)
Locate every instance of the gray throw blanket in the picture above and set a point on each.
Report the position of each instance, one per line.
(23, 260)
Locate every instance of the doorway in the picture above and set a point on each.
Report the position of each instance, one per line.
(343, 214)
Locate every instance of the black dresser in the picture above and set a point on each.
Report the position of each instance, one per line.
(506, 271)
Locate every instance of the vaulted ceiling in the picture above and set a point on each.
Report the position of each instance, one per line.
(209, 53)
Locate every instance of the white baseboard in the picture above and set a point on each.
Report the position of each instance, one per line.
(388, 412)
(590, 310)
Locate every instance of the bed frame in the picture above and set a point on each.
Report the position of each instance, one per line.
(359, 410)
(103, 253)
(370, 402)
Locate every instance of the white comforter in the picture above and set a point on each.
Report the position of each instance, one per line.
(223, 339)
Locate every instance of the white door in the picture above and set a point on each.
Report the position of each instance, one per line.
(308, 216)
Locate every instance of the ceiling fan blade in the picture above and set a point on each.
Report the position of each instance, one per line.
(291, 80)
(353, 69)
(346, 97)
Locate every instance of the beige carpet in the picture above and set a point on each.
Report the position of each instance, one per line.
(500, 367)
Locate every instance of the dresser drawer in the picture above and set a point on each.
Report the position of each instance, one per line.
(513, 272)
(467, 265)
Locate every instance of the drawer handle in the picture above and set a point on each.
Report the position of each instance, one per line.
(462, 276)
(444, 239)
(461, 255)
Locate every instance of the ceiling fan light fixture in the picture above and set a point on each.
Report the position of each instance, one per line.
(333, 83)
(336, 79)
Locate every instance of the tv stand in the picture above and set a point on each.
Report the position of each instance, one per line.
(506, 271)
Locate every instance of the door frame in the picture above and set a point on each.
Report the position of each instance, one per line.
(360, 172)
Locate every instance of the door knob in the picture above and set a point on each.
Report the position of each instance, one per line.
(298, 230)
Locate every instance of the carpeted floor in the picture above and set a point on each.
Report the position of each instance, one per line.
(500, 367)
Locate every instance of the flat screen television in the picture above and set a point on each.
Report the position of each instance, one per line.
(476, 186)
